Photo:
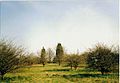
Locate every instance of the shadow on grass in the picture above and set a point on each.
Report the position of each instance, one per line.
(86, 70)
(59, 70)
(88, 76)
(14, 78)
(75, 76)
(68, 69)
(78, 70)
(85, 75)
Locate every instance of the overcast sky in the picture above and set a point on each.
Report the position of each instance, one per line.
(76, 24)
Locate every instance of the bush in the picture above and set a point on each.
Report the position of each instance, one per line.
(9, 57)
(73, 61)
(102, 58)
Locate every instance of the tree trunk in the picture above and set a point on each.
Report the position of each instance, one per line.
(75, 67)
(2, 77)
(102, 72)
(59, 63)
(43, 65)
(71, 66)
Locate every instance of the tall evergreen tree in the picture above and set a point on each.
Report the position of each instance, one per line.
(59, 53)
(43, 57)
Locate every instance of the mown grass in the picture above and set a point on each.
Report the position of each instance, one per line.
(52, 73)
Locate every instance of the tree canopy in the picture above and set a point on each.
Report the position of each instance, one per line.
(102, 58)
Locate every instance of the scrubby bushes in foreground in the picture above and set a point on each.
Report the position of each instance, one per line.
(10, 55)
(101, 58)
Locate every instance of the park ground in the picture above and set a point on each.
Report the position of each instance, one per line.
(53, 73)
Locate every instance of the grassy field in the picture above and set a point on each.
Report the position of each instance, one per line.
(52, 73)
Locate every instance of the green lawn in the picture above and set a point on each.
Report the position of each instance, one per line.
(52, 73)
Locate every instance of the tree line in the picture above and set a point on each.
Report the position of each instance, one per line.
(101, 57)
